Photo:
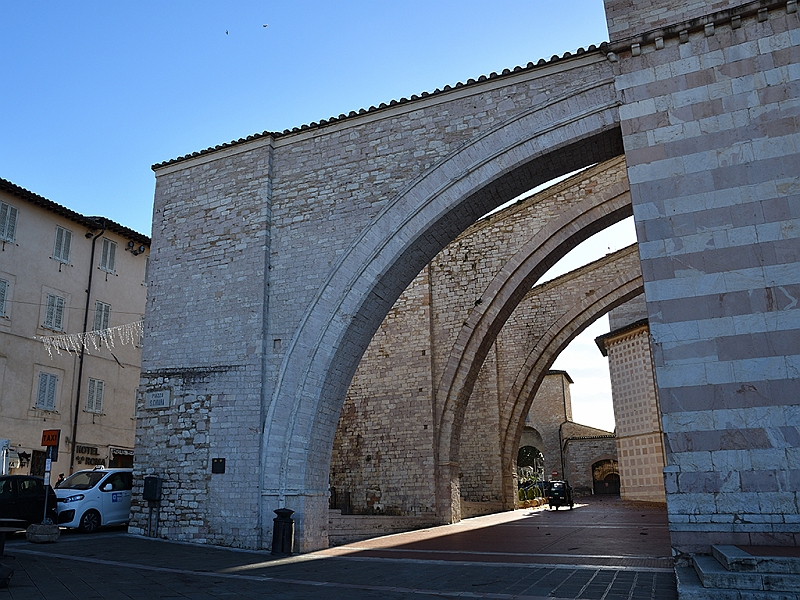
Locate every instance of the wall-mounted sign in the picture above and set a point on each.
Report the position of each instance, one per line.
(156, 399)
(89, 455)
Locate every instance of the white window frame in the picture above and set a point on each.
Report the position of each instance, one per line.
(102, 315)
(94, 396)
(47, 391)
(8, 222)
(62, 245)
(54, 313)
(5, 288)
(108, 255)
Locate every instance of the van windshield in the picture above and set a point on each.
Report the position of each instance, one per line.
(83, 480)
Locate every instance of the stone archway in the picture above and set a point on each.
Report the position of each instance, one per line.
(384, 258)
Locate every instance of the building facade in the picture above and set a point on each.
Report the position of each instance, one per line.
(640, 440)
(72, 295)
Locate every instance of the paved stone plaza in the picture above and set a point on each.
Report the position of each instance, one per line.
(606, 549)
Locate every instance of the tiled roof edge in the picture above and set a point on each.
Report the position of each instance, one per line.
(93, 223)
(363, 111)
(600, 340)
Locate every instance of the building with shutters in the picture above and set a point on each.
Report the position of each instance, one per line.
(72, 297)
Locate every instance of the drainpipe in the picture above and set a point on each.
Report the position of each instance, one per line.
(83, 350)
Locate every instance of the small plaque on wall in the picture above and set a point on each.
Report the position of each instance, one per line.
(156, 399)
(217, 465)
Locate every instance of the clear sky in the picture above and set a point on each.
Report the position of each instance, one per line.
(94, 93)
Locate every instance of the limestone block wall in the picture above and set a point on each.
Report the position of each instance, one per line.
(624, 19)
(462, 270)
(388, 413)
(551, 408)
(383, 450)
(204, 349)
(249, 239)
(582, 449)
(710, 128)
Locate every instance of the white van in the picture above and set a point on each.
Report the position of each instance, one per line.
(90, 499)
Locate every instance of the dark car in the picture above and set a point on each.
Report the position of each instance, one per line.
(22, 497)
(560, 494)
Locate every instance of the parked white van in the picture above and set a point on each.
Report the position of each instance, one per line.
(90, 499)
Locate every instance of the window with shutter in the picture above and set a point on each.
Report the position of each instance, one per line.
(108, 255)
(94, 396)
(8, 222)
(54, 317)
(63, 244)
(102, 315)
(46, 394)
(3, 295)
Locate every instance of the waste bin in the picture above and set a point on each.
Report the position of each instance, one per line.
(283, 532)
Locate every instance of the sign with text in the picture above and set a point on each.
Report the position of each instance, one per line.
(156, 399)
(50, 437)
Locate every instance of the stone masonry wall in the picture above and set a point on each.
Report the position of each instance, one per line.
(581, 453)
(710, 125)
(388, 412)
(383, 450)
(626, 18)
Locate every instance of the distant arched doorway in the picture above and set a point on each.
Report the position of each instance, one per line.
(605, 477)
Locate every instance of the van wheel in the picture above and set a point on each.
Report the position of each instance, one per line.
(90, 521)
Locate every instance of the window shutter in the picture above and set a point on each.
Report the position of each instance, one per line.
(108, 255)
(8, 222)
(62, 245)
(54, 318)
(102, 315)
(46, 395)
(3, 294)
(94, 398)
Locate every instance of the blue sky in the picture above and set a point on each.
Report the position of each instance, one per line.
(94, 93)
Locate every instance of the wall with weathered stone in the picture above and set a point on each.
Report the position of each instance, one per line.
(288, 249)
(383, 452)
(710, 123)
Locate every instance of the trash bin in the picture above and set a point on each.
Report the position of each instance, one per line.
(283, 532)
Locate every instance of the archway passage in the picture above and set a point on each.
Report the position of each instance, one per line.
(389, 401)
(605, 477)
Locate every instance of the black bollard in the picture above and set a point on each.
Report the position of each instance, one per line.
(283, 532)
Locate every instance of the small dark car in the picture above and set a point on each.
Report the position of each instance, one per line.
(22, 497)
(560, 494)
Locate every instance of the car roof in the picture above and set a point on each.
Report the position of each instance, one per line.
(21, 477)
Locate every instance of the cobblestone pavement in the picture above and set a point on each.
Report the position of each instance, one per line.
(605, 550)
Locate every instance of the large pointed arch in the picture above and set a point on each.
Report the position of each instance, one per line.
(504, 293)
(551, 343)
(572, 130)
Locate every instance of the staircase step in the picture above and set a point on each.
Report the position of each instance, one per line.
(736, 558)
(713, 575)
(690, 588)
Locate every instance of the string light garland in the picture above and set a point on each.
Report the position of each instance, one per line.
(73, 343)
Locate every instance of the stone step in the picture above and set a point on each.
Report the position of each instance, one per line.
(735, 558)
(712, 574)
(690, 588)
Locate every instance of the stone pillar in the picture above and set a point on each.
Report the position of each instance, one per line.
(709, 122)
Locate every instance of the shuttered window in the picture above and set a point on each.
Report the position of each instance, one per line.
(54, 317)
(102, 315)
(8, 222)
(3, 296)
(63, 244)
(108, 255)
(46, 395)
(94, 396)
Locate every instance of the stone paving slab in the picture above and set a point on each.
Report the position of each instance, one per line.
(477, 558)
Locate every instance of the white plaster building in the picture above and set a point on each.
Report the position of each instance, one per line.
(62, 274)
